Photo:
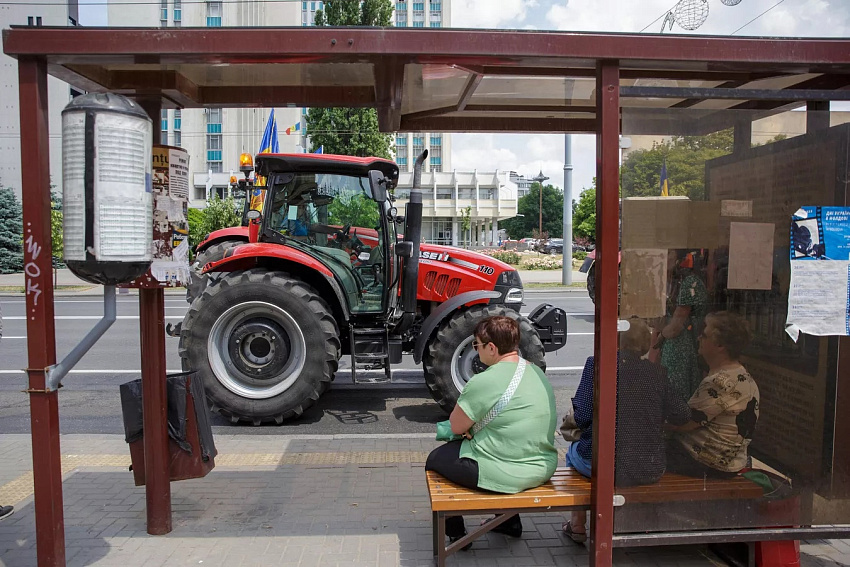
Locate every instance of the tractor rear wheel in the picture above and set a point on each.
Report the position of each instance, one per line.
(198, 281)
(265, 344)
(450, 361)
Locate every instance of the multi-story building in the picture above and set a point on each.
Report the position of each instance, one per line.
(449, 197)
(214, 137)
(522, 182)
(24, 12)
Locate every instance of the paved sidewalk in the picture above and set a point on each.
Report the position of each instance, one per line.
(285, 500)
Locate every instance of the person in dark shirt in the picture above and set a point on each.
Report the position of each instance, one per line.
(645, 401)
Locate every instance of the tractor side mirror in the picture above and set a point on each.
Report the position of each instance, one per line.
(378, 184)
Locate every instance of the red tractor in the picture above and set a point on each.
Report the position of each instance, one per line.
(323, 272)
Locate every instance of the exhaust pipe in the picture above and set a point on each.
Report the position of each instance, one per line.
(413, 234)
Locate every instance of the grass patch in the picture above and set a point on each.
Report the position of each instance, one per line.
(539, 285)
(20, 288)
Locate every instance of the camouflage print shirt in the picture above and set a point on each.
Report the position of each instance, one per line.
(726, 405)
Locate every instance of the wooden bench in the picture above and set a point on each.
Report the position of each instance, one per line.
(566, 491)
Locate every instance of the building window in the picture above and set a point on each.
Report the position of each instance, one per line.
(436, 141)
(401, 140)
(163, 137)
(163, 115)
(178, 13)
(419, 6)
(178, 138)
(401, 161)
(436, 25)
(178, 119)
(214, 144)
(401, 154)
(444, 192)
(213, 14)
(418, 140)
(163, 13)
(437, 168)
(401, 18)
(467, 193)
(418, 148)
(436, 6)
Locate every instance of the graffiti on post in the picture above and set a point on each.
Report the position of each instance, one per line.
(31, 270)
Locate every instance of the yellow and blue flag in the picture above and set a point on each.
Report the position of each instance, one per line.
(269, 143)
(664, 189)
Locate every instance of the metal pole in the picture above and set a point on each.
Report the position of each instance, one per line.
(567, 270)
(154, 399)
(41, 332)
(605, 343)
(155, 411)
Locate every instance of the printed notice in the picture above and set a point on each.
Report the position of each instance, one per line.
(750, 255)
(819, 295)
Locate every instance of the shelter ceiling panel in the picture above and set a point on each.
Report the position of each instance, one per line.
(427, 87)
(269, 75)
(535, 90)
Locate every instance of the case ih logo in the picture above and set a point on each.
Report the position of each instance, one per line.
(439, 256)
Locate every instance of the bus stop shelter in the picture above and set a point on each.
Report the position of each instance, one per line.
(651, 87)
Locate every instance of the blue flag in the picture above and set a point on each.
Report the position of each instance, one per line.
(321, 150)
(664, 189)
(269, 143)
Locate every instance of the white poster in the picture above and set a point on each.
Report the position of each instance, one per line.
(819, 295)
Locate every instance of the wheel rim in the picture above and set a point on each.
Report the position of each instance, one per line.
(256, 350)
(465, 363)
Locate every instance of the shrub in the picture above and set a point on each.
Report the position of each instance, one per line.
(579, 255)
(506, 256)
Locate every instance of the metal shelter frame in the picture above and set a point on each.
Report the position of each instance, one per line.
(419, 80)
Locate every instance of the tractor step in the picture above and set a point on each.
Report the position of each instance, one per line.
(370, 350)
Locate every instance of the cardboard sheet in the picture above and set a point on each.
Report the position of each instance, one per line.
(670, 222)
(750, 255)
(643, 277)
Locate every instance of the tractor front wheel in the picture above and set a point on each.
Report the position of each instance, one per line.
(198, 281)
(450, 360)
(265, 344)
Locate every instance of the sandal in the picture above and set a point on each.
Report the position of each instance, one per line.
(511, 527)
(578, 537)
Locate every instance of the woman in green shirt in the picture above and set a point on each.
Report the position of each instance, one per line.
(516, 450)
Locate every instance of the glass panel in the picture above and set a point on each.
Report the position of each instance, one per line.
(714, 265)
(334, 219)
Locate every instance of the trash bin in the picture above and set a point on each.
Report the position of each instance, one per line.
(191, 446)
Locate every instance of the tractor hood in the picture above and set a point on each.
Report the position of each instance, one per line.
(446, 271)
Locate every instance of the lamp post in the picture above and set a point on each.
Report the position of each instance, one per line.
(540, 179)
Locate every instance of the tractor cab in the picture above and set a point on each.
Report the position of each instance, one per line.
(336, 219)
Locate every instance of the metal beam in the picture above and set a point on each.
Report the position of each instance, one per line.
(389, 91)
(315, 97)
(733, 94)
(498, 124)
(605, 343)
(41, 332)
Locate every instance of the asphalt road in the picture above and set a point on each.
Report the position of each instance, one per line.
(89, 401)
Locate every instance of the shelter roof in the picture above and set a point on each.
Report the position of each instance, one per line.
(447, 80)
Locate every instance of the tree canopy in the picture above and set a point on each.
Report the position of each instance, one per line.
(584, 214)
(11, 233)
(355, 210)
(219, 213)
(640, 174)
(350, 131)
(529, 207)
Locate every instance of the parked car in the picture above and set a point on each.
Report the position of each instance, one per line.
(554, 246)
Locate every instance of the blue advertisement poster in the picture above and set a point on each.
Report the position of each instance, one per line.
(819, 295)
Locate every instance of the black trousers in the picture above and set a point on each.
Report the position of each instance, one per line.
(447, 461)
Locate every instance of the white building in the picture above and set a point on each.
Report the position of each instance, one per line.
(214, 137)
(18, 12)
(448, 196)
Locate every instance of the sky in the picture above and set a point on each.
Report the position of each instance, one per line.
(529, 154)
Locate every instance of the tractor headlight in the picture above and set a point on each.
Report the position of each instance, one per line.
(514, 295)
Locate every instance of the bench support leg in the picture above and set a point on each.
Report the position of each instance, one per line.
(434, 521)
(441, 540)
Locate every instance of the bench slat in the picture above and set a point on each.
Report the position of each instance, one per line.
(568, 488)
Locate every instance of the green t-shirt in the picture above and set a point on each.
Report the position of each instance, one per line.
(516, 450)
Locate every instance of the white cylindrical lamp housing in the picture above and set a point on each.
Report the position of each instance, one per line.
(106, 185)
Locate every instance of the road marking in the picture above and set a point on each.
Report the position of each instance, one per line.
(571, 334)
(79, 371)
(84, 317)
(12, 338)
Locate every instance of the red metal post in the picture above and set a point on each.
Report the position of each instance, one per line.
(155, 404)
(605, 345)
(41, 333)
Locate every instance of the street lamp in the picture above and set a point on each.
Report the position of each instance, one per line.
(540, 179)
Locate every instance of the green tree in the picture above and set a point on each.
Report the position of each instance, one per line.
(584, 215)
(11, 233)
(219, 213)
(356, 210)
(350, 131)
(57, 236)
(529, 207)
(640, 174)
(465, 222)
